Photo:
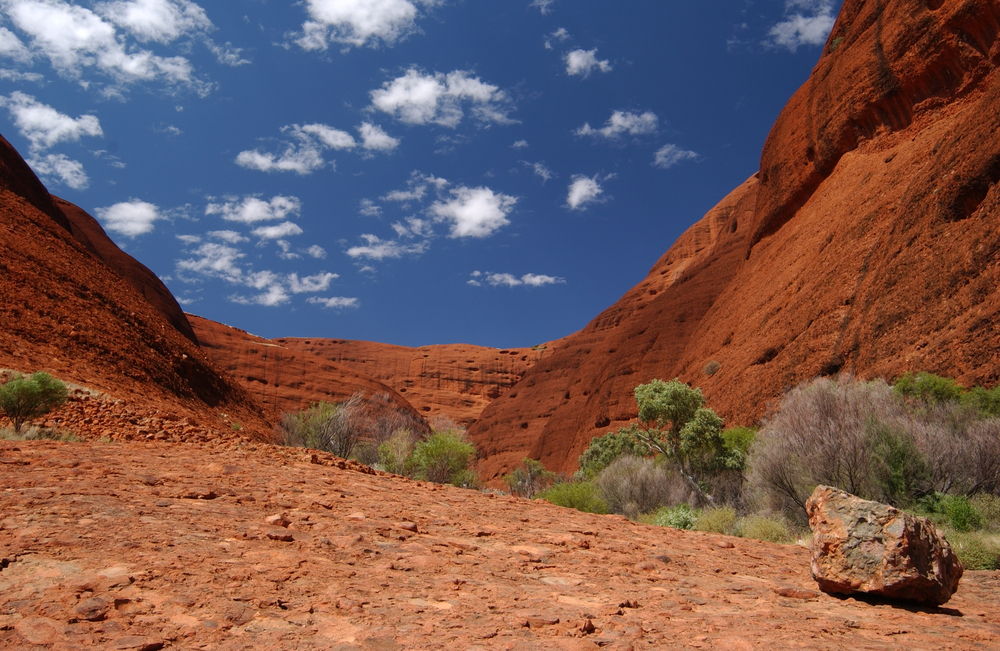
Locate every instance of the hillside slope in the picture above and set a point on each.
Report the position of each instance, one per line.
(868, 243)
(74, 304)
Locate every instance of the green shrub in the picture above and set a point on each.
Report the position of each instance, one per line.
(444, 458)
(976, 551)
(24, 398)
(985, 401)
(766, 528)
(633, 485)
(928, 388)
(989, 507)
(529, 478)
(681, 516)
(738, 441)
(899, 469)
(961, 514)
(581, 495)
(394, 455)
(603, 450)
(720, 519)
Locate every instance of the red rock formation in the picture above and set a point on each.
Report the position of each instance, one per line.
(73, 304)
(455, 381)
(868, 243)
(284, 378)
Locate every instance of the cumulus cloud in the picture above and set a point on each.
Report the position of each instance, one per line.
(251, 208)
(277, 231)
(130, 218)
(44, 126)
(623, 123)
(310, 284)
(61, 169)
(417, 187)
(413, 227)
(232, 237)
(583, 191)
(481, 278)
(442, 99)
(359, 22)
(11, 46)
(305, 145)
(806, 22)
(520, 144)
(559, 35)
(334, 302)
(580, 63)
(75, 38)
(544, 6)
(669, 155)
(540, 170)
(375, 248)
(369, 208)
(316, 251)
(474, 212)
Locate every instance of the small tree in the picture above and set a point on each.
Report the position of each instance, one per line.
(682, 429)
(24, 398)
(529, 478)
(603, 450)
(444, 458)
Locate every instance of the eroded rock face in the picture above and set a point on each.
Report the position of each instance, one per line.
(867, 547)
(867, 244)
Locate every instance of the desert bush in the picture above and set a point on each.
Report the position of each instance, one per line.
(989, 507)
(928, 388)
(984, 401)
(720, 519)
(711, 368)
(580, 495)
(31, 433)
(763, 527)
(444, 458)
(975, 550)
(681, 516)
(605, 449)
(962, 449)
(24, 398)
(900, 471)
(961, 514)
(324, 426)
(394, 454)
(529, 478)
(738, 441)
(632, 485)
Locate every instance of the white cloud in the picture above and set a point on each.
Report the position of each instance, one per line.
(316, 251)
(231, 237)
(669, 155)
(480, 278)
(375, 248)
(44, 126)
(807, 22)
(544, 6)
(12, 47)
(325, 135)
(310, 284)
(161, 21)
(278, 231)
(540, 170)
(301, 160)
(272, 296)
(623, 123)
(559, 35)
(413, 227)
(214, 260)
(474, 212)
(369, 208)
(16, 75)
(438, 98)
(251, 209)
(583, 190)
(520, 144)
(75, 38)
(416, 188)
(334, 302)
(60, 169)
(359, 22)
(580, 63)
(228, 55)
(375, 138)
(130, 218)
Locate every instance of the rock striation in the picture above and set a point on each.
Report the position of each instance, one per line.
(867, 243)
(860, 546)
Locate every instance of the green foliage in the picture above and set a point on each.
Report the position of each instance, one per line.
(444, 458)
(988, 506)
(605, 449)
(633, 485)
(305, 428)
(928, 388)
(720, 519)
(582, 496)
(668, 404)
(766, 528)
(899, 468)
(976, 551)
(984, 401)
(681, 516)
(961, 514)
(737, 442)
(394, 454)
(24, 398)
(529, 478)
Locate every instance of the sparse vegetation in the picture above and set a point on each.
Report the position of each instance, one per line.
(529, 478)
(632, 485)
(581, 495)
(765, 527)
(25, 398)
(445, 458)
(719, 519)
(603, 450)
(681, 516)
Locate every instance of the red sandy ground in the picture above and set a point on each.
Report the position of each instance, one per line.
(154, 545)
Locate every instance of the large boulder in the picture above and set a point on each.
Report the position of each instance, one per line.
(867, 547)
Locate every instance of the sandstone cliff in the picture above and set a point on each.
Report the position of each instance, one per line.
(868, 243)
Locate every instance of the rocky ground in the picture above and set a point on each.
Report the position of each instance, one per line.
(147, 545)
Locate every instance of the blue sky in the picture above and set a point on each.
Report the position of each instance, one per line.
(493, 172)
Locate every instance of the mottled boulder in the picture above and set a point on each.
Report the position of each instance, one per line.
(861, 546)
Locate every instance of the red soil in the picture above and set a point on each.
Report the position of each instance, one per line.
(868, 243)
